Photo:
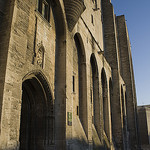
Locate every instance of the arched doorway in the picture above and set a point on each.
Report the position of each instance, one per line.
(36, 125)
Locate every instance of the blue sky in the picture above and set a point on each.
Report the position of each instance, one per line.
(137, 14)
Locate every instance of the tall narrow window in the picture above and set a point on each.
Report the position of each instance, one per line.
(43, 7)
(73, 83)
(77, 110)
(92, 20)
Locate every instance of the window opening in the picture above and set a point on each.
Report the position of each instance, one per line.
(92, 19)
(73, 80)
(43, 7)
(77, 110)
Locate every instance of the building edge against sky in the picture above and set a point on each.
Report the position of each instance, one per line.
(67, 78)
(140, 39)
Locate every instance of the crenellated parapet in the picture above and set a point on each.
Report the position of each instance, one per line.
(73, 10)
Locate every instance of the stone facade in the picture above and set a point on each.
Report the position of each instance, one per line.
(67, 78)
(144, 126)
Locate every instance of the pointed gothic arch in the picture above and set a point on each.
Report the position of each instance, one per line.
(94, 90)
(82, 82)
(37, 118)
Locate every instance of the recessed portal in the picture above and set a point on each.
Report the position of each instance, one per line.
(36, 127)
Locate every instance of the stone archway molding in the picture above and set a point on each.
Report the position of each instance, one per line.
(42, 80)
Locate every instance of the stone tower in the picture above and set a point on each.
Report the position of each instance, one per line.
(67, 78)
(118, 54)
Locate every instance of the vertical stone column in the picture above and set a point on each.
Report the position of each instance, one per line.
(60, 76)
(12, 58)
(111, 54)
(5, 28)
(128, 77)
(60, 95)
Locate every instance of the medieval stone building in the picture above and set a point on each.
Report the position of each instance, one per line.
(66, 77)
(144, 126)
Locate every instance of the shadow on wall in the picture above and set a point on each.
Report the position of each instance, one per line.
(73, 144)
(11, 148)
(76, 144)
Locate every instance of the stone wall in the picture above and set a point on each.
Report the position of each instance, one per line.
(65, 69)
(112, 56)
(126, 71)
(144, 125)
